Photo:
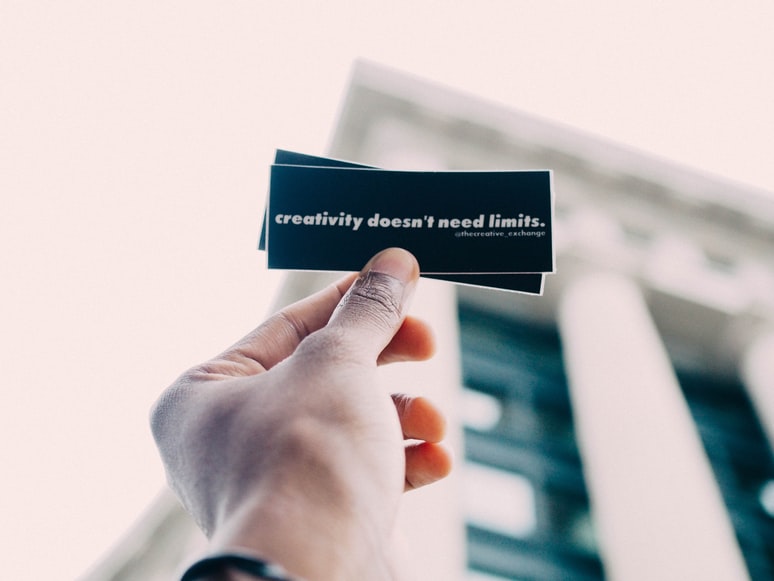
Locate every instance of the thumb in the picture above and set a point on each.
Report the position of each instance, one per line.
(372, 311)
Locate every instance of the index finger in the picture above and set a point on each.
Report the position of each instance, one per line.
(277, 337)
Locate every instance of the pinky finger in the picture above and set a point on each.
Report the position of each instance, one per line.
(426, 463)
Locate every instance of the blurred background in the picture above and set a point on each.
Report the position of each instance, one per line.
(617, 427)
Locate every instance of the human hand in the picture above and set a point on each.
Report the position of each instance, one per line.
(286, 445)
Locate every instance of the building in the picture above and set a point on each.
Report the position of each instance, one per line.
(618, 427)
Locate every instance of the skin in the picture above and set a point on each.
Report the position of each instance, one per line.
(286, 444)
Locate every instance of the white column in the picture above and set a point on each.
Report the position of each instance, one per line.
(657, 507)
(431, 523)
(757, 367)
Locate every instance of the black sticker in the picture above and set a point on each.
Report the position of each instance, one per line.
(485, 228)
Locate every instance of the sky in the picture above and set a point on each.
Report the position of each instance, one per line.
(135, 139)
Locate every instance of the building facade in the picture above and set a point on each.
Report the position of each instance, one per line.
(618, 427)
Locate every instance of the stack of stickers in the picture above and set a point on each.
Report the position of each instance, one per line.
(483, 228)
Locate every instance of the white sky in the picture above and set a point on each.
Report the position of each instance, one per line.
(134, 144)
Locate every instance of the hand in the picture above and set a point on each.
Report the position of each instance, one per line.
(286, 445)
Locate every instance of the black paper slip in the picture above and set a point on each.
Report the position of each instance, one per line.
(486, 228)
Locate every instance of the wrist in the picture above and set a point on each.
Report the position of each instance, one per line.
(235, 566)
(319, 514)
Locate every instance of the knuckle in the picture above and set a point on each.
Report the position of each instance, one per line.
(376, 297)
(166, 410)
(293, 325)
(162, 411)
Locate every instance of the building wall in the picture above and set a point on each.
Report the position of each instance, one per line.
(652, 456)
(663, 303)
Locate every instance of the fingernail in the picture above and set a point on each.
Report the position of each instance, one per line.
(395, 262)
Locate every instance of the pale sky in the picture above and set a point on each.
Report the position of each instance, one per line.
(135, 139)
